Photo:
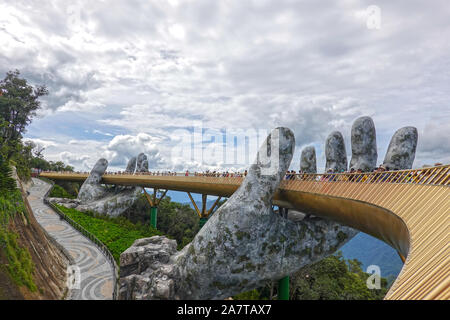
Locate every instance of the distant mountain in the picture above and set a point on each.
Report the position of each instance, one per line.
(371, 251)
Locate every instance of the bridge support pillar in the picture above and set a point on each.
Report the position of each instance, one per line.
(283, 289)
(204, 213)
(153, 216)
(154, 203)
(283, 284)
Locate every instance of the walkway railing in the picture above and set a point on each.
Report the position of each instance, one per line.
(439, 175)
(100, 245)
(431, 176)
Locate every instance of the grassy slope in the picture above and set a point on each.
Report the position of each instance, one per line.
(17, 259)
(118, 234)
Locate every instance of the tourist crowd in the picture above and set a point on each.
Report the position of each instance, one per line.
(379, 174)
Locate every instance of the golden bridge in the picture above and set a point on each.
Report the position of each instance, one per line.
(407, 209)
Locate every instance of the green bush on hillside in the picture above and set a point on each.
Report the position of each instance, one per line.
(20, 265)
(175, 220)
(332, 278)
(118, 234)
(7, 183)
(60, 192)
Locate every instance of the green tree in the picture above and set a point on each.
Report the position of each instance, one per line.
(7, 183)
(19, 102)
(334, 278)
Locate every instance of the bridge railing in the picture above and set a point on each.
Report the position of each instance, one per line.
(430, 176)
(439, 175)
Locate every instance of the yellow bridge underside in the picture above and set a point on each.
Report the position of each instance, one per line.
(412, 218)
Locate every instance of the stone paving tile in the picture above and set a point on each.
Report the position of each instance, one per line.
(97, 273)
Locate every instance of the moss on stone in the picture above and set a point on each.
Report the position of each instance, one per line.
(237, 270)
(191, 249)
(341, 236)
(243, 258)
(241, 234)
(219, 285)
(250, 267)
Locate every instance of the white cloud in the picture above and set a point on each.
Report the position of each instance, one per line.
(177, 31)
(42, 143)
(140, 67)
(80, 162)
(123, 147)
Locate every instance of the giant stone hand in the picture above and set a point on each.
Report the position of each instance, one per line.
(93, 196)
(245, 243)
(242, 246)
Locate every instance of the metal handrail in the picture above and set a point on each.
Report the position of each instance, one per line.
(439, 175)
(101, 246)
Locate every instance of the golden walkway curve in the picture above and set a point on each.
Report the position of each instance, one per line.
(409, 210)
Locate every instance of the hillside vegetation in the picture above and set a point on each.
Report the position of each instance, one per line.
(31, 266)
(118, 234)
(17, 260)
(175, 220)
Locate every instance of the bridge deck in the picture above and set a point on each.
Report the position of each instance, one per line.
(409, 210)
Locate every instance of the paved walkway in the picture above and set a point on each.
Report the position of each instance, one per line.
(96, 271)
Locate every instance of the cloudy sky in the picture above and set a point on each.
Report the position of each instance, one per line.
(141, 76)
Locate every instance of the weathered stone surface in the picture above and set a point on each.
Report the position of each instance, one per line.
(68, 203)
(92, 189)
(335, 153)
(242, 246)
(114, 203)
(137, 164)
(131, 166)
(308, 160)
(142, 163)
(364, 145)
(296, 216)
(108, 201)
(154, 253)
(402, 149)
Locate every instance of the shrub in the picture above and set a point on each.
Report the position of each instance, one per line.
(60, 192)
(118, 234)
